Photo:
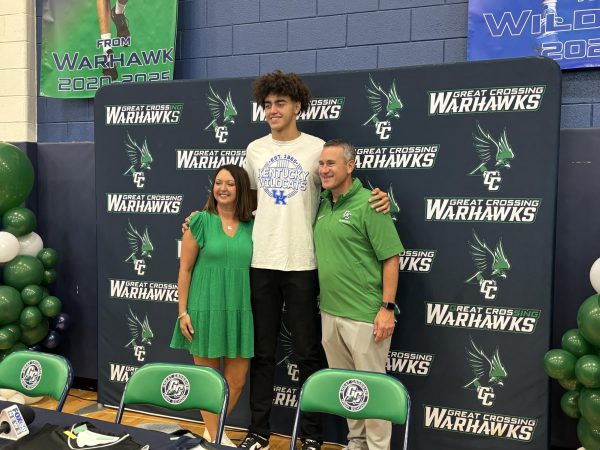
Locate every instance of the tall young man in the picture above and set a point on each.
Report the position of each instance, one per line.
(283, 168)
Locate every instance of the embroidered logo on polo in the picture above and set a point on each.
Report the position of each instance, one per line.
(223, 113)
(140, 160)
(31, 374)
(495, 155)
(175, 388)
(386, 105)
(354, 395)
(282, 177)
(346, 216)
(490, 266)
(489, 373)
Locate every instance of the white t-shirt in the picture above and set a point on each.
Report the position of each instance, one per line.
(286, 177)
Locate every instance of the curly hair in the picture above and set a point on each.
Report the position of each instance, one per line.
(282, 84)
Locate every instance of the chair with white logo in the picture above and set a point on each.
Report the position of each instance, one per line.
(354, 394)
(178, 387)
(35, 374)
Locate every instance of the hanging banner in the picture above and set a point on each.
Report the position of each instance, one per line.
(90, 44)
(468, 154)
(563, 30)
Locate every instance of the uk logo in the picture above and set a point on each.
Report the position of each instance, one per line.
(282, 177)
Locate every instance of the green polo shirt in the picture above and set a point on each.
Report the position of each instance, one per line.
(351, 241)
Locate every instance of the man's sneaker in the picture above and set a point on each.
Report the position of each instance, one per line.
(110, 71)
(121, 23)
(254, 441)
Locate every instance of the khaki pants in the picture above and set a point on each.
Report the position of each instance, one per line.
(350, 344)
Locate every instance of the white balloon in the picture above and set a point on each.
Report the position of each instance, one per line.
(595, 275)
(9, 246)
(30, 244)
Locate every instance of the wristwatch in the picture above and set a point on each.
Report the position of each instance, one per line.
(388, 305)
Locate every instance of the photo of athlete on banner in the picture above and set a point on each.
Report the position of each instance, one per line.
(86, 46)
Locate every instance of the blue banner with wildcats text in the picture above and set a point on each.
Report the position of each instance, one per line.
(468, 155)
(563, 30)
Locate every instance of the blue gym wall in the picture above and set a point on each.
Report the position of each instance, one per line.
(240, 38)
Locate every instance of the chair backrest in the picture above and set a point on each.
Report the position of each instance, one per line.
(35, 373)
(355, 394)
(177, 387)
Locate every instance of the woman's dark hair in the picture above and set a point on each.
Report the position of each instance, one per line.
(281, 84)
(243, 209)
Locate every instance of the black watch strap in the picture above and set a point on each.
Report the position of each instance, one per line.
(388, 305)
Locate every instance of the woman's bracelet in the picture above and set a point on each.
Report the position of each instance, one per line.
(185, 313)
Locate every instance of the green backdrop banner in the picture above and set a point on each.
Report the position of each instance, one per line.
(87, 45)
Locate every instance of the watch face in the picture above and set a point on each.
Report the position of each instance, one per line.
(387, 305)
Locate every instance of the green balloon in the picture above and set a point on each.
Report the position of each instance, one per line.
(31, 317)
(587, 371)
(49, 276)
(31, 295)
(22, 271)
(588, 320)
(569, 404)
(589, 404)
(7, 339)
(19, 221)
(32, 336)
(570, 384)
(16, 173)
(50, 306)
(48, 257)
(588, 434)
(15, 329)
(573, 342)
(559, 364)
(10, 305)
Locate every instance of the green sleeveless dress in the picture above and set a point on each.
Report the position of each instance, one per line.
(219, 295)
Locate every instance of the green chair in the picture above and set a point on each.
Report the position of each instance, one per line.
(354, 394)
(178, 387)
(35, 373)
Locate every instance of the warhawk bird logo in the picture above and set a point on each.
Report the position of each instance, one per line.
(384, 102)
(141, 334)
(139, 156)
(489, 372)
(220, 108)
(490, 265)
(140, 244)
(494, 155)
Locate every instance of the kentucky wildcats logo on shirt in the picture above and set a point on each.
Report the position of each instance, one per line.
(282, 177)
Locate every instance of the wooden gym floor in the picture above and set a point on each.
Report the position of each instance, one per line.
(79, 399)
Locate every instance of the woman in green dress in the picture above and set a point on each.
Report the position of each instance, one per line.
(215, 315)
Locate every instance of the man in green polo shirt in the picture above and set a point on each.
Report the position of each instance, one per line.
(357, 259)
